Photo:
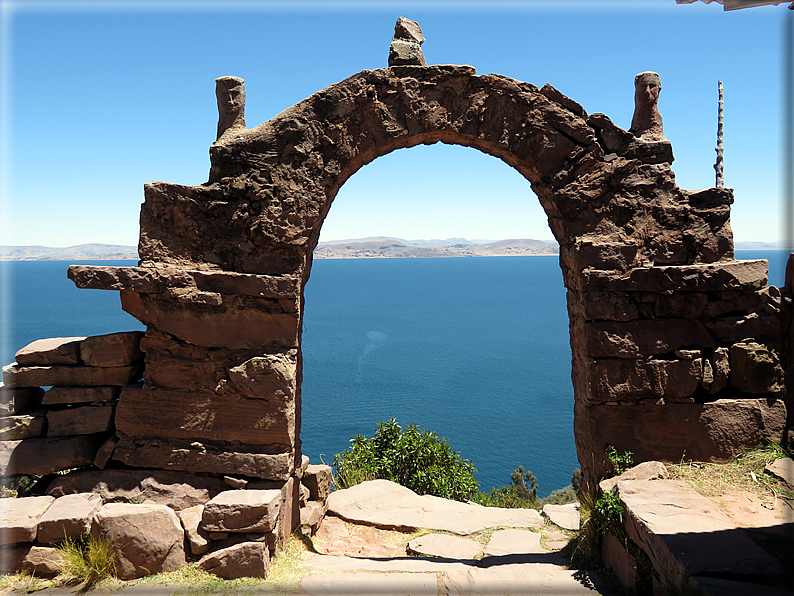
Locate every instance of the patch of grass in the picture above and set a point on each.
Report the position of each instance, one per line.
(86, 563)
(743, 472)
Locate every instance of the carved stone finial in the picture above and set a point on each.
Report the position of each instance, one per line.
(230, 92)
(647, 121)
(405, 49)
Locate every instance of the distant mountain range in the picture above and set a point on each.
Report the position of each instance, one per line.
(385, 248)
(81, 252)
(382, 247)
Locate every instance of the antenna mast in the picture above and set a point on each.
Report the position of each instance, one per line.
(718, 166)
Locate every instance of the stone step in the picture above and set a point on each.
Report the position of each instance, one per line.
(685, 535)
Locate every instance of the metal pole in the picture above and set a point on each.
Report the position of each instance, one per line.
(718, 167)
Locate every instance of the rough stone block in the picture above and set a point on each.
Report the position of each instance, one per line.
(22, 426)
(42, 561)
(172, 414)
(712, 277)
(55, 350)
(113, 349)
(716, 370)
(755, 368)
(318, 479)
(177, 490)
(242, 511)
(713, 431)
(79, 395)
(312, 514)
(19, 518)
(16, 400)
(84, 420)
(648, 470)
(147, 539)
(197, 457)
(68, 517)
(46, 455)
(105, 452)
(635, 339)
(604, 255)
(625, 380)
(609, 306)
(406, 53)
(81, 376)
(247, 559)
(270, 377)
(196, 537)
(249, 325)
(737, 328)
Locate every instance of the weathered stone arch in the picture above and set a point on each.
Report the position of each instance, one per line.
(676, 346)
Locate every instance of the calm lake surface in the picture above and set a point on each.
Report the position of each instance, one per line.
(474, 349)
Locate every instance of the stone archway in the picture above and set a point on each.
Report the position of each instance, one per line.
(676, 346)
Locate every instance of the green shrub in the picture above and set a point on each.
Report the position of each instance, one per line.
(419, 460)
(521, 493)
(608, 513)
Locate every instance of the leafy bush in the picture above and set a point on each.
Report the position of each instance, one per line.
(419, 460)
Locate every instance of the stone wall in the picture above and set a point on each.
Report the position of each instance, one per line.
(678, 349)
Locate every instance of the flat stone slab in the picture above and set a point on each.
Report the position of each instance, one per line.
(22, 426)
(565, 516)
(15, 375)
(80, 395)
(523, 578)
(514, 542)
(445, 546)
(782, 469)
(46, 455)
(685, 534)
(393, 584)
(81, 420)
(54, 350)
(68, 517)
(388, 505)
(649, 470)
(405, 564)
(19, 518)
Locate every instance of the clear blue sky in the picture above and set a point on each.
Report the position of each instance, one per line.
(102, 97)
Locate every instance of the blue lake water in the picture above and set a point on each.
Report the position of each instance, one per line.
(474, 349)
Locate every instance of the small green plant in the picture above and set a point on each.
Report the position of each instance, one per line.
(86, 562)
(521, 493)
(419, 460)
(608, 513)
(617, 463)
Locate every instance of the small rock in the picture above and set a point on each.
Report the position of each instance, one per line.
(565, 516)
(196, 537)
(312, 514)
(216, 536)
(247, 559)
(104, 453)
(235, 482)
(43, 561)
(783, 469)
(649, 470)
(318, 479)
(445, 546)
(242, 511)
